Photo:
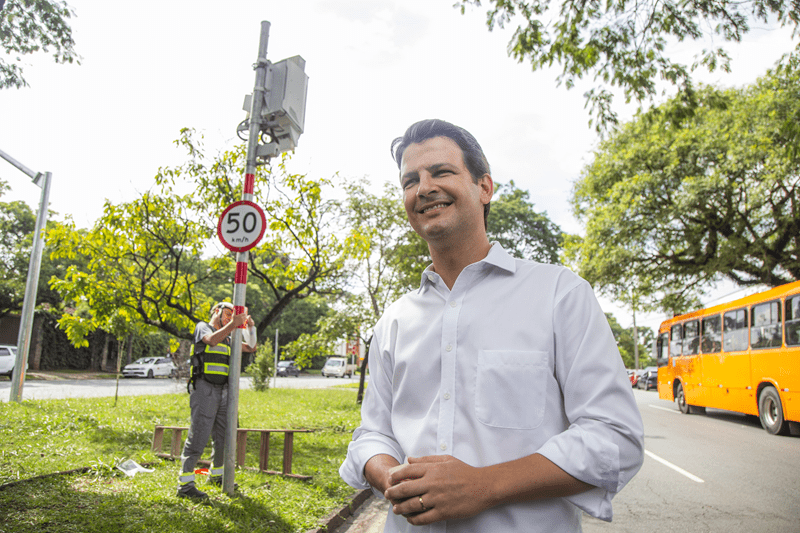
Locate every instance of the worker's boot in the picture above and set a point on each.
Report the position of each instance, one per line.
(193, 493)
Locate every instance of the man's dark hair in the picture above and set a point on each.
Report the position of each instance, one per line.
(474, 158)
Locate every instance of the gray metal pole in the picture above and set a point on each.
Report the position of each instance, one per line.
(33, 175)
(240, 287)
(275, 368)
(31, 287)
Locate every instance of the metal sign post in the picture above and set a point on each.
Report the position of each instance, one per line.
(32, 284)
(277, 109)
(240, 280)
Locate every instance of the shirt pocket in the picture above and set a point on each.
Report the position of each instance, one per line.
(511, 388)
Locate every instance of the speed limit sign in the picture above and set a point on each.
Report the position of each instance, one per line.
(241, 226)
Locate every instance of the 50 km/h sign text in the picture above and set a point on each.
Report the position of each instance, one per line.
(241, 226)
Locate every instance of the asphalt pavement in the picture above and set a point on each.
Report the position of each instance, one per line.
(60, 385)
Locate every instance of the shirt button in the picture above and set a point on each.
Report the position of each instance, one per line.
(443, 446)
(453, 304)
(430, 277)
(446, 395)
(449, 347)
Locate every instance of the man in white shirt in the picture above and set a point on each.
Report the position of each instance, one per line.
(497, 399)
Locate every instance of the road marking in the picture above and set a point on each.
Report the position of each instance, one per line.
(674, 467)
(663, 408)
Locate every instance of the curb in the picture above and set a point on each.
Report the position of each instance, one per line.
(337, 518)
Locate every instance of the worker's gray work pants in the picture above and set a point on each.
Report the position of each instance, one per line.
(209, 405)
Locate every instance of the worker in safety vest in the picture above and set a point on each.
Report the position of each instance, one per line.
(209, 400)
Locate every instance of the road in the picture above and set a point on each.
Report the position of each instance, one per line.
(725, 474)
(96, 388)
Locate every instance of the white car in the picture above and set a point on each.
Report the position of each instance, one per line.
(8, 356)
(150, 367)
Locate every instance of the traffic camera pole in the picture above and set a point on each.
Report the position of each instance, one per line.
(240, 280)
(32, 284)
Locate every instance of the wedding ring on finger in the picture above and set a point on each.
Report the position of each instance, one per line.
(422, 504)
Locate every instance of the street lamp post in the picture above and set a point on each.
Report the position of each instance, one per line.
(31, 286)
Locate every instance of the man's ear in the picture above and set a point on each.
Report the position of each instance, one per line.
(487, 188)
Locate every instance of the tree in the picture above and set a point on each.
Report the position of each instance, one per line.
(298, 318)
(143, 267)
(676, 200)
(17, 224)
(155, 261)
(623, 44)
(28, 26)
(523, 232)
(386, 261)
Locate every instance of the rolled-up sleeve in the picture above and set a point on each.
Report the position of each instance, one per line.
(374, 436)
(604, 443)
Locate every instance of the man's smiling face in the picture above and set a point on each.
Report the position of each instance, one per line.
(443, 203)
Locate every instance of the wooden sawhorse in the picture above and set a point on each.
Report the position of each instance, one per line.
(241, 447)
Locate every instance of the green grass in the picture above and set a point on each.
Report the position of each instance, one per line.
(46, 436)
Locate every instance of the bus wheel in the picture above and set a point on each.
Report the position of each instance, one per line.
(771, 413)
(680, 397)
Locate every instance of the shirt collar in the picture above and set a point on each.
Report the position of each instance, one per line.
(497, 256)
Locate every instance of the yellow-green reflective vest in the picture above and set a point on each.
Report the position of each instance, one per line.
(214, 363)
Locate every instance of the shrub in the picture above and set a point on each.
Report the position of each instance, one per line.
(262, 368)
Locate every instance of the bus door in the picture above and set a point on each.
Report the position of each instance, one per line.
(711, 348)
(791, 362)
(735, 390)
(771, 362)
(690, 365)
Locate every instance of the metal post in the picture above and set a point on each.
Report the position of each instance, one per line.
(32, 284)
(31, 287)
(275, 371)
(240, 286)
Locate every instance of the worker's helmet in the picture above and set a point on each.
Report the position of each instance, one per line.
(222, 305)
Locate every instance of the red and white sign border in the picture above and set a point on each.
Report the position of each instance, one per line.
(248, 246)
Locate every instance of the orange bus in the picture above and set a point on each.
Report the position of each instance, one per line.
(740, 356)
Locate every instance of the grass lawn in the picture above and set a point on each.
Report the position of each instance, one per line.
(46, 436)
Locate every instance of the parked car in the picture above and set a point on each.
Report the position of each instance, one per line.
(8, 355)
(649, 378)
(338, 367)
(286, 369)
(150, 367)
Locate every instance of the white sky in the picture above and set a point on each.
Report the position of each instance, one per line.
(375, 66)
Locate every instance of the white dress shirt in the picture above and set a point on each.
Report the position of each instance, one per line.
(517, 359)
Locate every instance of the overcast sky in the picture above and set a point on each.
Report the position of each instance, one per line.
(150, 68)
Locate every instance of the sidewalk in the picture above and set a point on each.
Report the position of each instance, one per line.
(368, 518)
(55, 375)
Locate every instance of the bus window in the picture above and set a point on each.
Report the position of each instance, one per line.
(712, 334)
(765, 329)
(734, 329)
(793, 321)
(677, 336)
(691, 337)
